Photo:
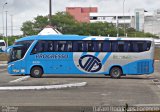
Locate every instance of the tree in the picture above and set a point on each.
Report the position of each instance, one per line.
(66, 24)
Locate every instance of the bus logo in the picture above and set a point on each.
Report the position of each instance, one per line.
(90, 63)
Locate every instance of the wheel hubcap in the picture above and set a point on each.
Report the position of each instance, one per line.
(116, 72)
(36, 72)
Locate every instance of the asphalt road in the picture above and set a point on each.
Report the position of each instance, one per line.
(100, 90)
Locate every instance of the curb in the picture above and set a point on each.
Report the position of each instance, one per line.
(3, 62)
(3, 70)
(47, 87)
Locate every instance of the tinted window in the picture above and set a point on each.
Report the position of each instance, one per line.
(62, 46)
(50, 46)
(130, 46)
(91, 46)
(121, 46)
(41, 46)
(79, 46)
(2, 44)
(114, 46)
(25, 43)
(140, 46)
(106, 46)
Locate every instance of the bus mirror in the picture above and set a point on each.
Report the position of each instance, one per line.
(8, 50)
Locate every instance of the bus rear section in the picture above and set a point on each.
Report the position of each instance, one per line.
(2, 46)
(118, 57)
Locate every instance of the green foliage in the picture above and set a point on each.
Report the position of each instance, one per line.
(27, 28)
(66, 24)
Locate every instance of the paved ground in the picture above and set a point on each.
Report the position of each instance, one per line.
(100, 90)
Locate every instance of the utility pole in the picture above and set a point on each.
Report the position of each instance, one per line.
(6, 28)
(3, 16)
(11, 25)
(50, 11)
(124, 19)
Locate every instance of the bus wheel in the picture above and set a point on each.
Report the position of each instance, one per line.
(36, 72)
(116, 72)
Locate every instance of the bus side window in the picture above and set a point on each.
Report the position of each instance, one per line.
(75, 46)
(90, 46)
(114, 46)
(120, 46)
(61, 46)
(84, 46)
(127, 46)
(37, 48)
(80, 47)
(140, 46)
(45, 46)
(146, 46)
(96, 47)
(106, 46)
(50, 46)
(55, 46)
(100, 46)
(135, 47)
(68, 46)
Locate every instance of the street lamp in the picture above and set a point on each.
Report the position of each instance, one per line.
(3, 16)
(6, 28)
(11, 25)
(124, 19)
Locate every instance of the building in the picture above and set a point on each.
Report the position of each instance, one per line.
(81, 14)
(118, 19)
(140, 19)
(152, 23)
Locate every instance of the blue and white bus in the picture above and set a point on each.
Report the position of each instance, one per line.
(74, 54)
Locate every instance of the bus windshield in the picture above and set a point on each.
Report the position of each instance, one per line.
(16, 53)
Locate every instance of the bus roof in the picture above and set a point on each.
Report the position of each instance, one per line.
(77, 37)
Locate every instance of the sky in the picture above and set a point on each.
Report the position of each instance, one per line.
(24, 10)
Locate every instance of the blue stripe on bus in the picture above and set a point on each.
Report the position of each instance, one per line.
(96, 54)
(106, 57)
(84, 53)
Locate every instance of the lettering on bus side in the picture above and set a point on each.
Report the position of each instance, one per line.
(51, 56)
(122, 57)
(90, 63)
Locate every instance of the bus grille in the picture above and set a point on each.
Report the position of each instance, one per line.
(143, 67)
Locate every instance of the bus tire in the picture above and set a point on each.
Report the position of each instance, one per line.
(36, 72)
(116, 72)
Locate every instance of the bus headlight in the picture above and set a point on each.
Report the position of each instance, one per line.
(15, 70)
(22, 70)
